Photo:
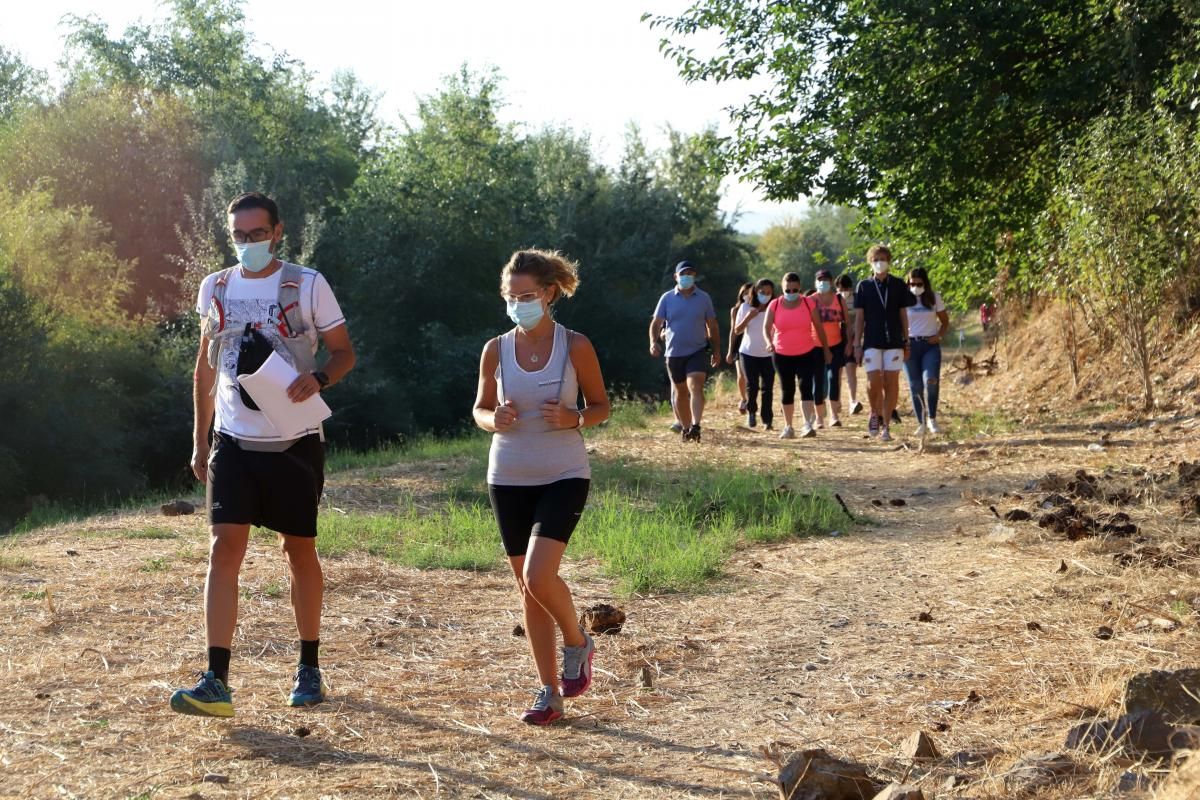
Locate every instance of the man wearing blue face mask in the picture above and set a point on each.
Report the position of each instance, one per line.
(257, 474)
(691, 323)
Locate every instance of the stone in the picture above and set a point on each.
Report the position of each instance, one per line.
(816, 775)
(1133, 782)
(602, 618)
(919, 745)
(213, 777)
(898, 792)
(518, 630)
(1038, 770)
(1103, 633)
(1018, 515)
(1176, 694)
(177, 508)
(1090, 737)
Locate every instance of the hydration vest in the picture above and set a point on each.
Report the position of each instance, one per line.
(299, 340)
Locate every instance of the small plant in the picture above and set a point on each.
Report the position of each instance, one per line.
(160, 564)
(13, 561)
(35, 595)
(149, 533)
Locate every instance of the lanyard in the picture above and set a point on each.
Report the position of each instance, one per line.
(883, 299)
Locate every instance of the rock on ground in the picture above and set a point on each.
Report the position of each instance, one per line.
(816, 775)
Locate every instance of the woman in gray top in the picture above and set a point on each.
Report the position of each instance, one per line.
(538, 475)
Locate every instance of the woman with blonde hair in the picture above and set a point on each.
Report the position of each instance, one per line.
(530, 379)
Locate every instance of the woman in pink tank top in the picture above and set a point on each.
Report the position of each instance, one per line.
(794, 339)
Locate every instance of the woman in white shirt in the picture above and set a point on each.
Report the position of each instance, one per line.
(755, 353)
(928, 323)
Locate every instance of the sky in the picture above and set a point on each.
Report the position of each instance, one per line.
(591, 66)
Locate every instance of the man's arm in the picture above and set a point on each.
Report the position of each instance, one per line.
(656, 326)
(341, 361)
(203, 378)
(714, 340)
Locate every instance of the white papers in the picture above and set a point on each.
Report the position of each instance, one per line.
(268, 386)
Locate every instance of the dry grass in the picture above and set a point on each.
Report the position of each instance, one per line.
(808, 643)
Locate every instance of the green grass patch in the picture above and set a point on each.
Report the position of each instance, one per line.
(425, 448)
(626, 414)
(461, 536)
(980, 423)
(149, 533)
(652, 529)
(40, 594)
(160, 564)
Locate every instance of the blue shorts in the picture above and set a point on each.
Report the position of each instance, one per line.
(679, 367)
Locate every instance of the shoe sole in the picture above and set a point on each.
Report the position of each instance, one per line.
(529, 720)
(182, 704)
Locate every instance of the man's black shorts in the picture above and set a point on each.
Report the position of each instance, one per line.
(679, 367)
(279, 491)
(551, 511)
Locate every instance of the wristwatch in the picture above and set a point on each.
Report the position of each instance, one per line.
(322, 378)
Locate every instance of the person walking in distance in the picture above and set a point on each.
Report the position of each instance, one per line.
(792, 327)
(845, 285)
(255, 473)
(755, 354)
(832, 314)
(530, 379)
(928, 324)
(735, 342)
(881, 337)
(691, 324)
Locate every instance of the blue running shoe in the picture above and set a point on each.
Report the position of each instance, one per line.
(309, 689)
(208, 698)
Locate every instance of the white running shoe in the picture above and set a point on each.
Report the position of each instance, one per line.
(787, 433)
(885, 435)
(807, 432)
(855, 407)
(818, 424)
(933, 426)
(920, 431)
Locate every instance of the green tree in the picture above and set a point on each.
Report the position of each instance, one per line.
(948, 118)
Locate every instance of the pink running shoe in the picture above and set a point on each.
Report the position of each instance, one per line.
(577, 667)
(547, 707)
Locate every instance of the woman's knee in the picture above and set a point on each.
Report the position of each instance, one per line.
(537, 582)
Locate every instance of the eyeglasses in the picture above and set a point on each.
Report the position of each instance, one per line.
(915, 283)
(255, 236)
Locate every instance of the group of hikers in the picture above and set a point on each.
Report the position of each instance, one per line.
(530, 381)
(808, 338)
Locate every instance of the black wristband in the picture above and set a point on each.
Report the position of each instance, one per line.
(322, 378)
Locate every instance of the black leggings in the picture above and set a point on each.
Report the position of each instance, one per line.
(759, 372)
(808, 368)
(551, 510)
(833, 373)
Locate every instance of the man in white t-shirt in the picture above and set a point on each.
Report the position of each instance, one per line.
(255, 473)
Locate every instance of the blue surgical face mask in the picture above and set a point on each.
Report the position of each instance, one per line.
(527, 314)
(824, 287)
(687, 281)
(254, 256)
(791, 297)
(764, 298)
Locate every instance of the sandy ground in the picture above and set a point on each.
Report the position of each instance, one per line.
(815, 642)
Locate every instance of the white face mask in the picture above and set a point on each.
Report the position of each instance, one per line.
(880, 267)
(917, 290)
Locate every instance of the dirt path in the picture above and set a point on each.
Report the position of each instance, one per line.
(811, 643)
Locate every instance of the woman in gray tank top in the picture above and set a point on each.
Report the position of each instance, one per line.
(530, 380)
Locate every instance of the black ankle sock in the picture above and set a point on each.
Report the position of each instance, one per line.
(308, 653)
(218, 662)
